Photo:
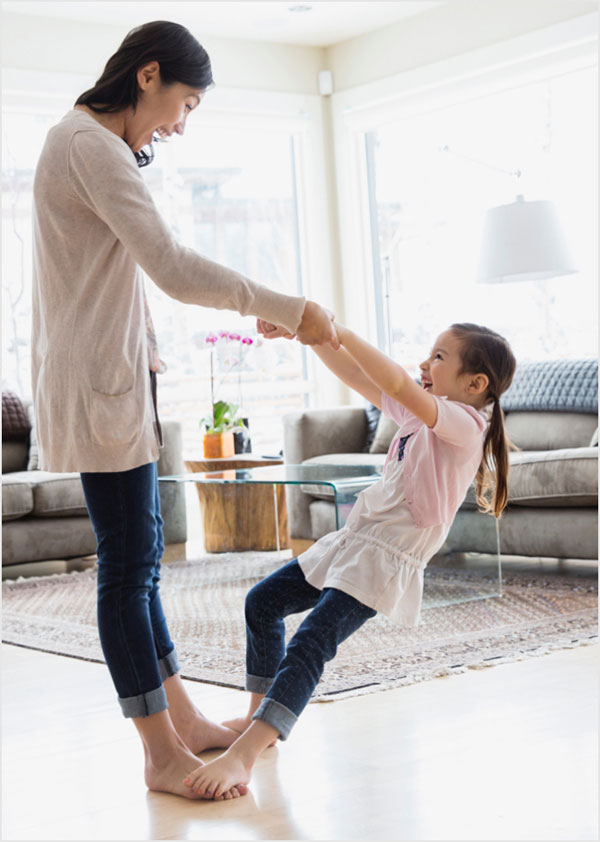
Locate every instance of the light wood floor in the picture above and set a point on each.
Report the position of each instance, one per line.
(504, 753)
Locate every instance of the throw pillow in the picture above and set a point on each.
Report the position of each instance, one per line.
(33, 463)
(15, 424)
(386, 429)
(372, 413)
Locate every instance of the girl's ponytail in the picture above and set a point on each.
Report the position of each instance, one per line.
(495, 461)
(483, 350)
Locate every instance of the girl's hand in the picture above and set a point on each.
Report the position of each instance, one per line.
(271, 331)
(316, 327)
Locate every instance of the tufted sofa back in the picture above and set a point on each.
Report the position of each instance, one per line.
(552, 404)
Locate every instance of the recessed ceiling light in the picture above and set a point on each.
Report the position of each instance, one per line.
(300, 7)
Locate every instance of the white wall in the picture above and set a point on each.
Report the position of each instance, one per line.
(36, 43)
(449, 30)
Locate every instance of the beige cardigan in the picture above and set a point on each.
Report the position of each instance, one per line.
(94, 225)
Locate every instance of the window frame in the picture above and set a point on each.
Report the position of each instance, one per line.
(536, 56)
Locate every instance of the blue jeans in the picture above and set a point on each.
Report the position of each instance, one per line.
(289, 677)
(124, 508)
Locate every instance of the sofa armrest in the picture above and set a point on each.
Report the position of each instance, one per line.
(316, 432)
(172, 494)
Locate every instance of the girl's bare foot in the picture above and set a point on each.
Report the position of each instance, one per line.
(220, 775)
(169, 777)
(233, 768)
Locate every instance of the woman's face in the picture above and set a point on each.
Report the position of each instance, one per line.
(161, 109)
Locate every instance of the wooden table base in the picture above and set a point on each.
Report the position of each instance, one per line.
(240, 517)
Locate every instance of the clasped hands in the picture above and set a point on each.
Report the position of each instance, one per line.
(316, 327)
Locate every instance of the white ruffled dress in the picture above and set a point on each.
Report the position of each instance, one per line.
(379, 556)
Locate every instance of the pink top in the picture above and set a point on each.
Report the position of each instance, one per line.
(439, 462)
(398, 523)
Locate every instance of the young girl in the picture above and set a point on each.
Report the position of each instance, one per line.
(450, 431)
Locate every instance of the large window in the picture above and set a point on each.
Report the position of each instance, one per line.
(433, 174)
(230, 193)
(227, 189)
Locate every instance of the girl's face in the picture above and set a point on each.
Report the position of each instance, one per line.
(161, 109)
(440, 372)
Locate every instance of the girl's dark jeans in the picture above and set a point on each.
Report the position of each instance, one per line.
(289, 677)
(124, 508)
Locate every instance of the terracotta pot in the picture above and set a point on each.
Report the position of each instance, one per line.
(218, 445)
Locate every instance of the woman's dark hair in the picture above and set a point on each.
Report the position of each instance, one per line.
(180, 58)
(485, 352)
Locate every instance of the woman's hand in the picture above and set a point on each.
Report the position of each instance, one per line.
(315, 328)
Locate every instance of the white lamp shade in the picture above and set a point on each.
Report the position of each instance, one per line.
(523, 241)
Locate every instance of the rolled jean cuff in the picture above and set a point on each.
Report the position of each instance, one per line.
(169, 665)
(277, 716)
(258, 683)
(145, 704)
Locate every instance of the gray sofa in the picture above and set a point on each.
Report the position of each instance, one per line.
(551, 415)
(44, 516)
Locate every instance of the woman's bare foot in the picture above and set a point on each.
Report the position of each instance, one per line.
(197, 732)
(200, 734)
(240, 724)
(169, 777)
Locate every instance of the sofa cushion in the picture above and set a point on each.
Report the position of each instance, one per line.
(594, 439)
(57, 495)
(566, 477)
(33, 462)
(562, 385)
(386, 429)
(17, 496)
(550, 430)
(373, 414)
(529, 430)
(14, 456)
(41, 538)
(325, 492)
(560, 478)
(15, 424)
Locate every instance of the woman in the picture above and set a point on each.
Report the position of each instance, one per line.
(93, 367)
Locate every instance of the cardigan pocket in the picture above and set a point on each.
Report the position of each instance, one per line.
(113, 418)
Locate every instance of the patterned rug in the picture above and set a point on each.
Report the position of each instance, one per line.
(203, 601)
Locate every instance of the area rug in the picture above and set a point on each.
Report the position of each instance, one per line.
(203, 600)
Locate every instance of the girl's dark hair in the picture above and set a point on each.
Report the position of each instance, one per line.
(486, 352)
(180, 58)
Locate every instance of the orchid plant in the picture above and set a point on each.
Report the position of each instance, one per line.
(224, 415)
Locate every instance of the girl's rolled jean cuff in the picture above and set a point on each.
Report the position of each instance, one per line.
(154, 701)
(258, 683)
(277, 716)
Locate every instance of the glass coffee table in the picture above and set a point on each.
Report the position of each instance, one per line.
(252, 500)
(233, 497)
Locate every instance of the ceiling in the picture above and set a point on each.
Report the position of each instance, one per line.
(318, 23)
